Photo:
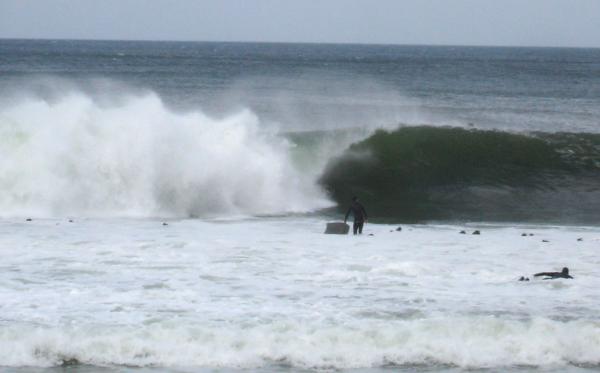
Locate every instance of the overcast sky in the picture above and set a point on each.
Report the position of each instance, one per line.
(456, 22)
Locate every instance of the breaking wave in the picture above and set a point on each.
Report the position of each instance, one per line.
(449, 173)
(81, 155)
(477, 342)
(76, 155)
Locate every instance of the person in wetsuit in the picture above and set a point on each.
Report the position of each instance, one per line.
(359, 213)
(552, 275)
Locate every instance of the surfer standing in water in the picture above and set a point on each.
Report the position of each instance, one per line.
(359, 213)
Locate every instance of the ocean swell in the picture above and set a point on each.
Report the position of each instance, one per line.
(448, 173)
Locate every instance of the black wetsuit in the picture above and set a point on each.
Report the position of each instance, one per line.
(360, 215)
(553, 275)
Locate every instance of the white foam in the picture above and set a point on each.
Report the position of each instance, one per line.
(472, 342)
(259, 292)
(135, 157)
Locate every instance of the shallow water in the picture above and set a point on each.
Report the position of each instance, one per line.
(276, 293)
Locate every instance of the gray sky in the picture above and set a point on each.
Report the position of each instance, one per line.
(458, 22)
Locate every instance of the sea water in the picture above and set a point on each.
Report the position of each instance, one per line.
(178, 193)
(277, 293)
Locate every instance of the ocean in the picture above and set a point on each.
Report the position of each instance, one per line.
(162, 207)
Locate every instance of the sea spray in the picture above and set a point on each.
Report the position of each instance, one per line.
(73, 155)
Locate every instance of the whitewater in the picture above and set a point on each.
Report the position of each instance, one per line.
(138, 158)
(163, 207)
(276, 292)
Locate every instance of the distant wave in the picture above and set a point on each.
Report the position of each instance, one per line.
(132, 156)
(447, 173)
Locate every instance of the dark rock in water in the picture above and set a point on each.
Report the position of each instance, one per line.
(545, 241)
(165, 223)
(398, 229)
(70, 220)
(476, 232)
(463, 232)
(68, 362)
(28, 219)
(523, 234)
(524, 278)
(580, 239)
(530, 234)
(337, 228)
(371, 234)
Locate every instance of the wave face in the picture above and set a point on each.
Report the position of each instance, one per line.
(432, 173)
(132, 156)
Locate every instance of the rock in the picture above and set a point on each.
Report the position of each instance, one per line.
(580, 239)
(337, 228)
(522, 278)
(476, 232)
(164, 224)
(399, 229)
(371, 234)
(530, 234)
(69, 362)
(462, 232)
(28, 219)
(545, 241)
(70, 220)
(523, 234)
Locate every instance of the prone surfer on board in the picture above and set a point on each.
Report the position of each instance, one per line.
(552, 275)
(359, 213)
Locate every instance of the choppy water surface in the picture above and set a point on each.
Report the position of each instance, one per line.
(262, 294)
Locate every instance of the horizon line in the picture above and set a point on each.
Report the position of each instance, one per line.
(300, 42)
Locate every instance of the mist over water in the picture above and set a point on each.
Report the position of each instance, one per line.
(315, 87)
